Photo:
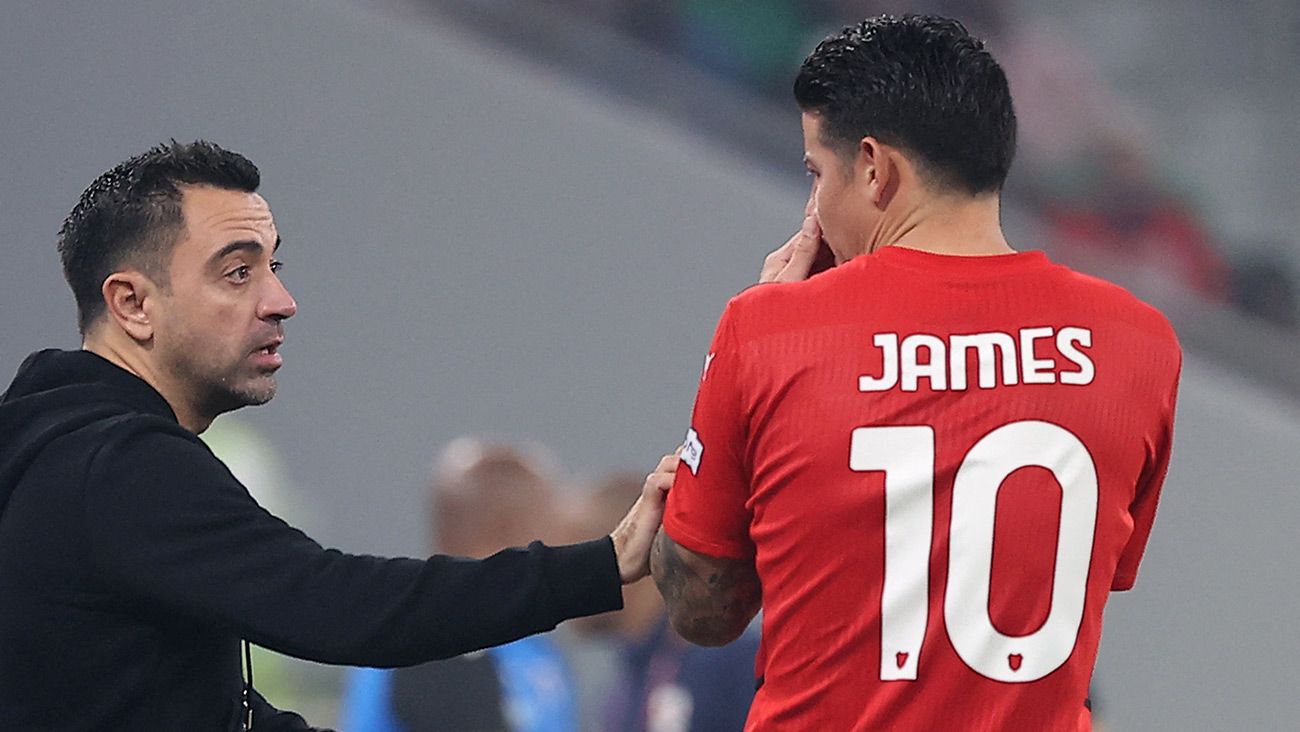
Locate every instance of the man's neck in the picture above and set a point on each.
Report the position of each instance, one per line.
(955, 225)
(133, 363)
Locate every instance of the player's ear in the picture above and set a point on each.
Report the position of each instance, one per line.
(885, 169)
(129, 296)
(875, 169)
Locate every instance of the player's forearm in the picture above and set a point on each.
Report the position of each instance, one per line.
(710, 600)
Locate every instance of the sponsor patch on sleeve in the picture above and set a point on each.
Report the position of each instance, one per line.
(692, 451)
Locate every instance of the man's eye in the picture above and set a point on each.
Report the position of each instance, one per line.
(276, 266)
(240, 273)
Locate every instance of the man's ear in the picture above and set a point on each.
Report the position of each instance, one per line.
(129, 296)
(879, 164)
(873, 166)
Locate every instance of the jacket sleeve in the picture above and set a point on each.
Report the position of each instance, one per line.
(169, 526)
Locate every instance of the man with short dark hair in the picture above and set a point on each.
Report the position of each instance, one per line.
(930, 464)
(132, 561)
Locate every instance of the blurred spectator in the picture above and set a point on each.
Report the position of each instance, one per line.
(664, 684)
(485, 497)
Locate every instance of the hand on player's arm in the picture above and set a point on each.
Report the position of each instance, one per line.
(710, 600)
(802, 256)
(636, 532)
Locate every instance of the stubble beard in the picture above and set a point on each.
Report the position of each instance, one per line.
(220, 384)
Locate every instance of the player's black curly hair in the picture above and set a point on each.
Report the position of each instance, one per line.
(920, 83)
(131, 216)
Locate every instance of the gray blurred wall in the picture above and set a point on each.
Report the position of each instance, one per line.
(477, 245)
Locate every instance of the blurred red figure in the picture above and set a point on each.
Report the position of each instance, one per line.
(1128, 222)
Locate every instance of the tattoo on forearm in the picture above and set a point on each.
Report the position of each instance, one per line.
(709, 601)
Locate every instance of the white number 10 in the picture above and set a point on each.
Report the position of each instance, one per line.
(906, 456)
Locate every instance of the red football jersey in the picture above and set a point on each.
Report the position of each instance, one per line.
(940, 466)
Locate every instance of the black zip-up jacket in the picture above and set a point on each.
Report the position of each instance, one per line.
(132, 563)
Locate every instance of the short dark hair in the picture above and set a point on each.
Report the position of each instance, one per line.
(131, 215)
(920, 83)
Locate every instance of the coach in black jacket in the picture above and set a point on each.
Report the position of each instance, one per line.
(132, 562)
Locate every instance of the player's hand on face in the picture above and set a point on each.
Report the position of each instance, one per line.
(636, 532)
(795, 260)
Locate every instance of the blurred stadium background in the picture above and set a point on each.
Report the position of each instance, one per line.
(523, 218)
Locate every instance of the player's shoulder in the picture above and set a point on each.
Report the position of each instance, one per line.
(778, 305)
(767, 309)
(1117, 303)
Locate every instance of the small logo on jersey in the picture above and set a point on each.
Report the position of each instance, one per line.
(901, 658)
(692, 451)
(1013, 660)
(708, 361)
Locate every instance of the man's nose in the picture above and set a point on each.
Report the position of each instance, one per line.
(277, 303)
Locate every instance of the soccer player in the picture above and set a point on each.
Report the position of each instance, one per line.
(930, 464)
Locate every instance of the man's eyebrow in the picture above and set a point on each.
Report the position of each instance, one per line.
(276, 247)
(247, 245)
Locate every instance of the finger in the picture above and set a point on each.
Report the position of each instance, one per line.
(804, 251)
(663, 476)
(778, 259)
(811, 228)
(659, 485)
(668, 463)
(662, 473)
(781, 254)
(655, 490)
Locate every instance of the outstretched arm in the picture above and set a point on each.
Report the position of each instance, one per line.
(710, 599)
(210, 553)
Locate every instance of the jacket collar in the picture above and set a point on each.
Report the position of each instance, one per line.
(54, 368)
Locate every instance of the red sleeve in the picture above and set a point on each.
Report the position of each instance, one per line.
(706, 510)
(1143, 509)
